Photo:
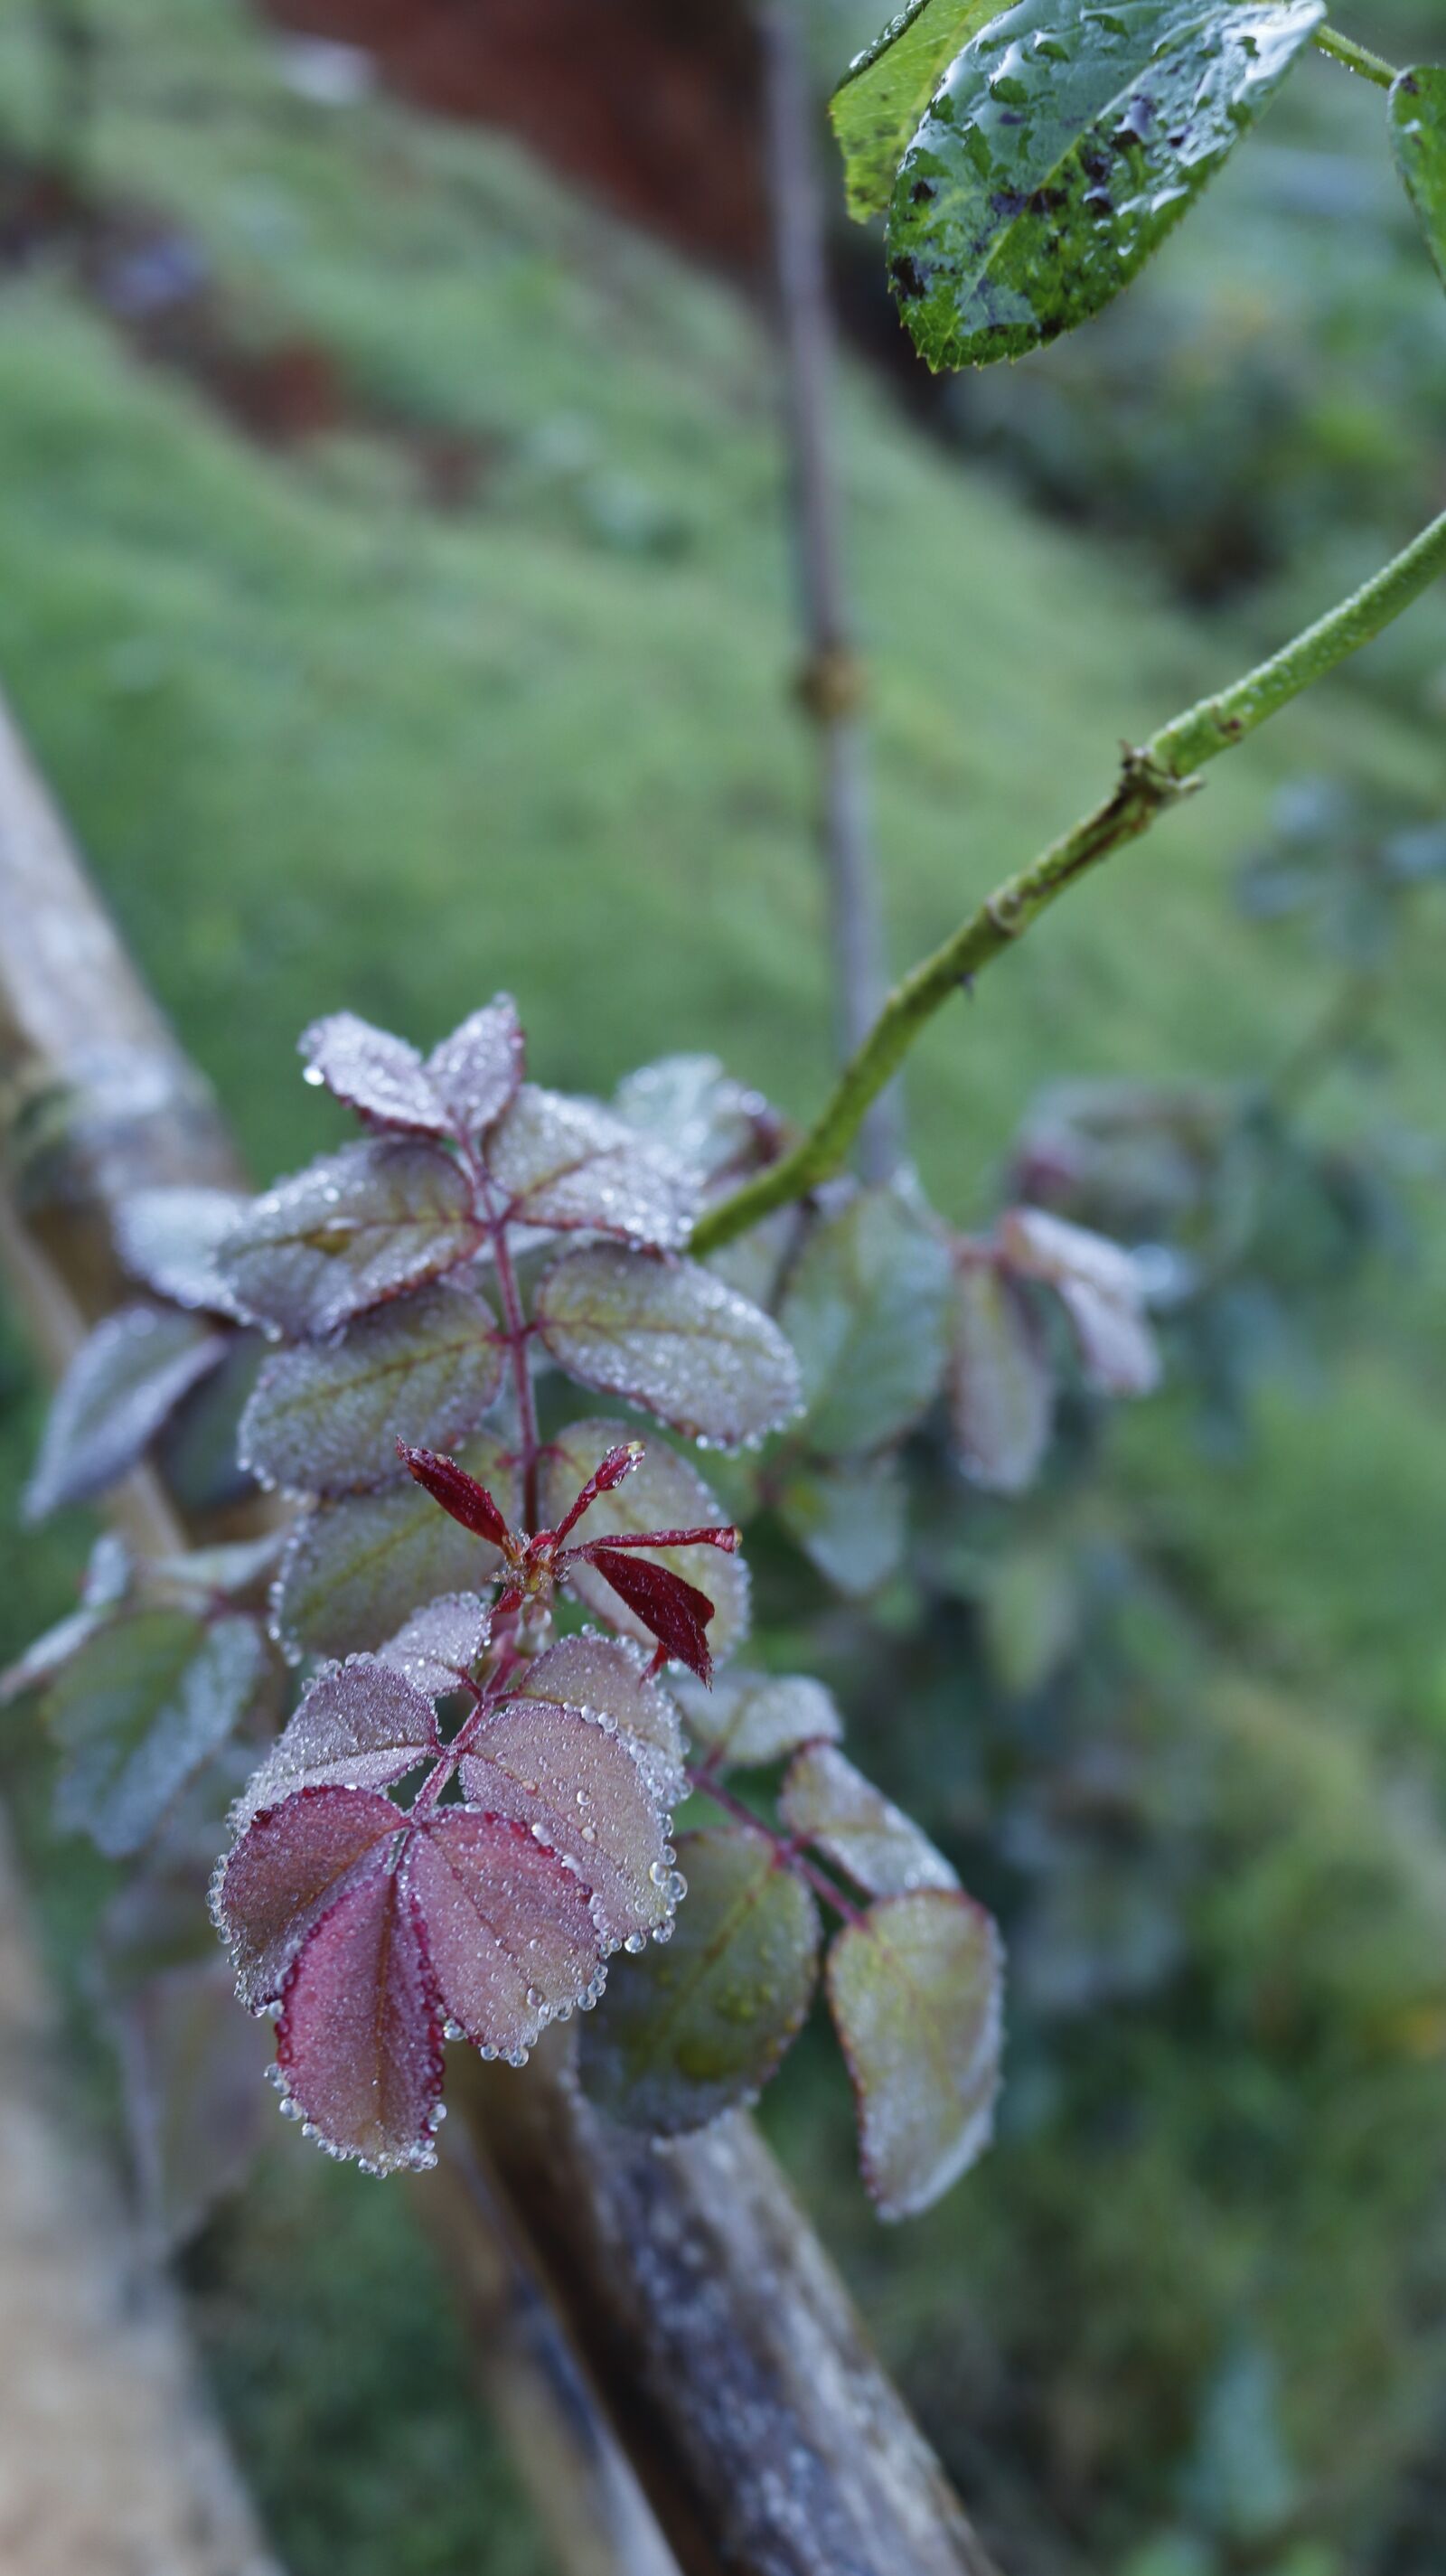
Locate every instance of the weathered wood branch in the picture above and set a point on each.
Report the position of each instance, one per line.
(661, 2324)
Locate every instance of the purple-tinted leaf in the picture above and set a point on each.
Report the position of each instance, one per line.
(666, 1492)
(348, 1232)
(459, 1495)
(286, 1870)
(191, 2067)
(606, 1677)
(378, 1075)
(674, 1612)
(670, 1337)
(478, 1068)
(567, 1165)
(169, 1239)
(865, 1312)
(123, 1381)
(509, 1926)
(359, 2042)
(758, 1717)
(849, 1516)
(915, 1990)
(138, 1711)
(326, 1416)
(698, 2027)
(441, 1643)
(362, 1725)
(585, 1795)
(831, 1805)
(1117, 1348)
(355, 1569)
(1102, 1291)
(714, 1126)
(1001, 1387)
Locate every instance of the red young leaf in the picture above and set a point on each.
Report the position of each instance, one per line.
(456, 1491)
(510, 1930)
(285, 1873)
(675, 1612)
(618, 1463)
(360, 2042)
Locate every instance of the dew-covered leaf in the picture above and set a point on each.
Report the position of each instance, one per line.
(1101, 1289)
(568, 1165)
(758, 1717)
(326, 1416)
(586, 1796)
(441, 1643)
(362, 1725)
(356, 1568)
(670, 1337)
(369, 1070)
(849, 1516)
(196, 1447)
(509, 1926)
(915, 1989)
(351, 1230)
(138, 1711)
(887, 87)
(1060, 148)
(123, 1381)
(665, 1492)
(191, 2069)
(477, 1069)
(1001, 1387)
(674, 1612)
(287, 1867)
(844, 1816)
(169, 1239)
(865, 1311)
(606, 1677)
(701, 2025)
(359, 2042)
(715, 1127)
(1418, 139)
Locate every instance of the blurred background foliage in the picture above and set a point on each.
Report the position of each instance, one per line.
(397, 592)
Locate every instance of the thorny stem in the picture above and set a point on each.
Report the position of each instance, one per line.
(1151, 779)
(788, 1853)
(1356, 58)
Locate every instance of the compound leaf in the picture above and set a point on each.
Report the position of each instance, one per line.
(664, 1492)
(349, 1231)
(464, 1084)
(126, 1378)
(326, 1417)
(702, 2024)
(670, 1337)
(915, 1992)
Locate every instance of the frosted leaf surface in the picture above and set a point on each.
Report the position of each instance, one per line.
(700, 2025)
(606, 1678)
(672, 1338)
(356, 1568)
(1101, 1288)
(758, 1717)
(865, 1311)
(664, 1492)
(286, 1869)
(440, 1643)
(509, 1928)
(477, 1069)
(566, 1164)
(362, 1725)
(849, 1516)
(587, 1797)
(126, 1378)
(170, 1238)
(349, 1231)
(139, 1710)
(326, 1417)
(687, 1103)
(359, 2041)
(915, 1990)
(1001, 1387)
(831, 1805)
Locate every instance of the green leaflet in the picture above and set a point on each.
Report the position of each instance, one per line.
(1418, 139)
(139, 1710)
(914, 1988)
(887, 87)
(1063, 145)
(865, 1311)
(693, 2029)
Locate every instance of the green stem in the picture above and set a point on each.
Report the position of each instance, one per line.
(1356, 58)
(1151, 779)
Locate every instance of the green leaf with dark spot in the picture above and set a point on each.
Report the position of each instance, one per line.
(1060, 149)
(1418, 139)
(701, 2024)
(356, 1568)
(887, 87)
(915, 1991)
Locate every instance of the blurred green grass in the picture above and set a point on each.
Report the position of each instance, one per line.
(325, 746)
